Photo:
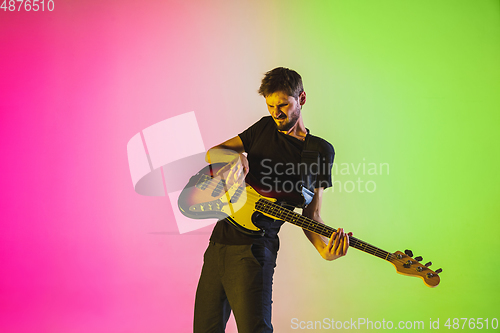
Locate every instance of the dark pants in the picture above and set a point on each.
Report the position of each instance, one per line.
(238, 278)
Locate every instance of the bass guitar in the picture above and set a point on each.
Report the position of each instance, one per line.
(207, 196)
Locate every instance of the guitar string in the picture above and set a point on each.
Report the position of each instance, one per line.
(292, 217)
(289, 214)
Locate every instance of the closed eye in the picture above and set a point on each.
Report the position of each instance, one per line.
(279, 106)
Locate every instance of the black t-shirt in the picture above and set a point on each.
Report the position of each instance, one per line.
(274, 160)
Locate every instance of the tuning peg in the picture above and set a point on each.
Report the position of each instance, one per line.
(409, 253)
(439, 270)
(419, 258)
(428, 264)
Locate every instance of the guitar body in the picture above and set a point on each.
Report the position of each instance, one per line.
(206, 196)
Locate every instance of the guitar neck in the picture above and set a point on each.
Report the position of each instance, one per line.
(278, 212)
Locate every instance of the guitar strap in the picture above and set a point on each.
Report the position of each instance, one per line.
(308, 170)
(309, 167)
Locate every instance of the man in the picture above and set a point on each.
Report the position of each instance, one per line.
(238, 269)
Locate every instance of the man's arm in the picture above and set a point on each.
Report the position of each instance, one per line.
(337, 245)
(226, 151)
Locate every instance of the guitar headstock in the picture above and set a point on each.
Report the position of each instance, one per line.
(406, 265)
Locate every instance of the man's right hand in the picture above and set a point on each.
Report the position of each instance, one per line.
(235, 171)
(230, 152)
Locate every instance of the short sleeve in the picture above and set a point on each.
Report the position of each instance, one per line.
(326, 155)
(321, 171)
(249, 135)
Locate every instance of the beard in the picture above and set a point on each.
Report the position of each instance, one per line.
(293, 117)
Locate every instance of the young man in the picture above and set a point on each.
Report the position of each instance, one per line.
(238, 269)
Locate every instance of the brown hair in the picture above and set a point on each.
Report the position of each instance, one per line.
(281, 79)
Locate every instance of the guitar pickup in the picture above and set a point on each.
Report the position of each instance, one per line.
(219, 188)
(203, 182)
(237, 194)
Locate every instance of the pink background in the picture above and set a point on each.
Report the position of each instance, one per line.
(414, 84)
(80, 250)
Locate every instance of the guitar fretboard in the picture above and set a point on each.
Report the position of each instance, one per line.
(278, 212)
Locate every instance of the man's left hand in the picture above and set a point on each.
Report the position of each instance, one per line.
(337, 245)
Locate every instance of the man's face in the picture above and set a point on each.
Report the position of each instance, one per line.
(284, 109)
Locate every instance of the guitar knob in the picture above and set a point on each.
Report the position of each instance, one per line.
(428, 264)
(419, 258)
(439, 270)
(409, 253)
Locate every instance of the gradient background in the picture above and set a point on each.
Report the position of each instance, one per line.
(411, 83)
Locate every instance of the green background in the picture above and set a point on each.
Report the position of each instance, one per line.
(414, 84)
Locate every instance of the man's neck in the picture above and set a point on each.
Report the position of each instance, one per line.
(298, 131)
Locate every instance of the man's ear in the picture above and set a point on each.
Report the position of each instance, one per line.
(302, 98)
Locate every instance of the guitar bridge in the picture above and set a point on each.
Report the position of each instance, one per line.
(215, 205)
